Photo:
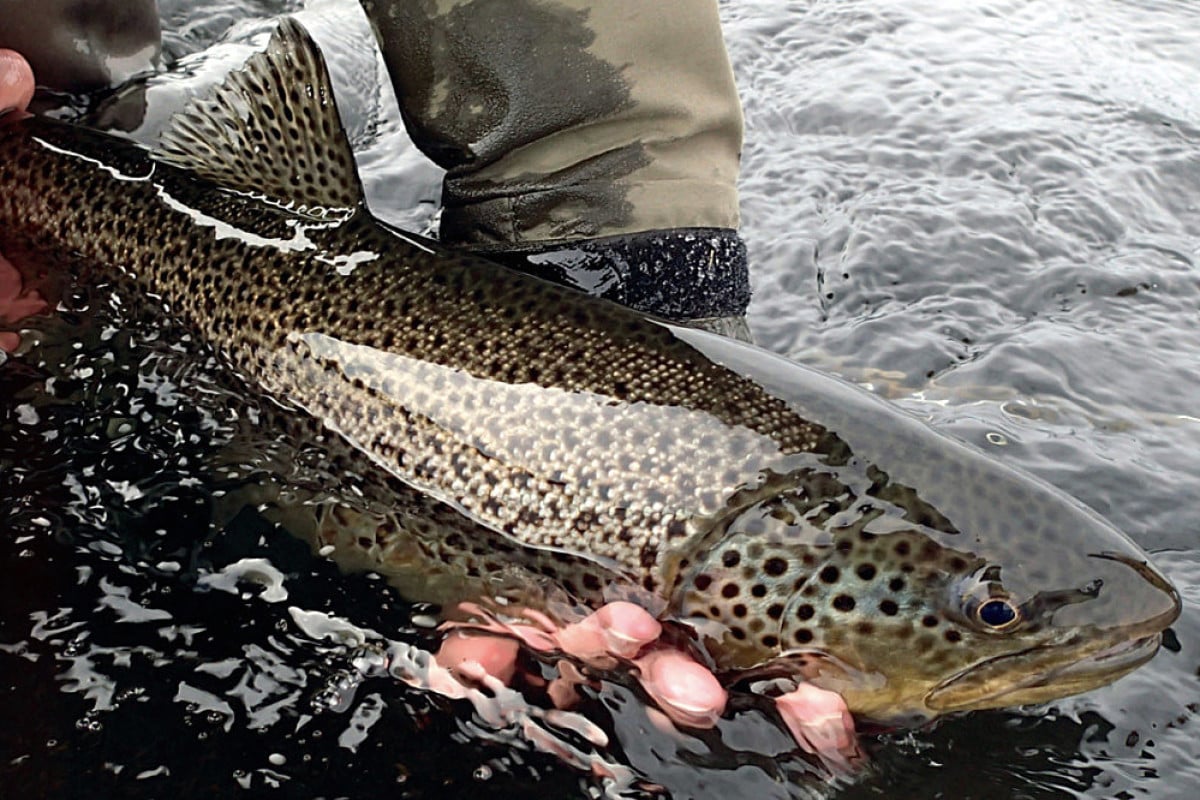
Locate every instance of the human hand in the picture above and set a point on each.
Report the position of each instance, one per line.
(16, 300)
(686, 691)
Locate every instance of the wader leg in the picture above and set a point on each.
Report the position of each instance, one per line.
(594, 143)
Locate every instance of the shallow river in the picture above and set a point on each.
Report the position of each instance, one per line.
(986, 211)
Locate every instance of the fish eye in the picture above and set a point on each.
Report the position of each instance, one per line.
(998, 613)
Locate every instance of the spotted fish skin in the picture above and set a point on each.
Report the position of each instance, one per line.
(802, 526)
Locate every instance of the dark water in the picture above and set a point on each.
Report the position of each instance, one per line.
(986, 211)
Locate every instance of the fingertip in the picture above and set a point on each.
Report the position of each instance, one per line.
(819, 721)
(463, 654)
(685, 690)
(627, 627)
(633, 620)
(16, 81)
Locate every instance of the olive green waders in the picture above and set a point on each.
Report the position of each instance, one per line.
(595, 142)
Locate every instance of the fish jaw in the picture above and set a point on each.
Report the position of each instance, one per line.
(1045, 674)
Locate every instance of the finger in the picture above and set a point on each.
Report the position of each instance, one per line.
(627, 628)
(820, 723)
(16, 81)
(564, 690)
(465, 655)
(685, 690)
(16, 303)
(540, 619)
(483, 620)
(618, 629)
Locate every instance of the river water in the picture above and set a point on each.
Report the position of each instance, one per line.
(986, 211)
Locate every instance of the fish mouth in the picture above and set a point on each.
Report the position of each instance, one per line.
(1048, 674)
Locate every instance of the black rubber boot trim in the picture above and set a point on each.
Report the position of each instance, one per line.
(680, 274)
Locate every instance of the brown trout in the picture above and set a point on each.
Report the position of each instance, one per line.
(801, 526)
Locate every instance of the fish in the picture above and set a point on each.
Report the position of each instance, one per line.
(530, 436)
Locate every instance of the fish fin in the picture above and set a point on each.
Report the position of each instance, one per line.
(272, 129)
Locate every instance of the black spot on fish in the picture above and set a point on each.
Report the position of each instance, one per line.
(758, 590)
(953, 636)
(844, 602)
(731, 558)
(929, 621)
(830, 574)
(702, 582)
(803, 636)
(865, 571)
(739, 611)
(770, 641)
(896, 584)
(775, 611)
(730, 590)
(889, 607)
(775, 566)
(738, 633)
(804, 612)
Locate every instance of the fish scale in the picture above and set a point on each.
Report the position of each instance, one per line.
(527, 433)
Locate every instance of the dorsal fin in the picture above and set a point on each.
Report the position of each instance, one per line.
(271, 129)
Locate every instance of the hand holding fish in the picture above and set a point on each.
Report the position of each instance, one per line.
(686, 691)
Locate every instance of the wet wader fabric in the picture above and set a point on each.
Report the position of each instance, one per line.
(614, 123)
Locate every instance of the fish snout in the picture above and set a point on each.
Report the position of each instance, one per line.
(1132, 599)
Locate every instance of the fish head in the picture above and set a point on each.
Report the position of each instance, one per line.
(1005, 593)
